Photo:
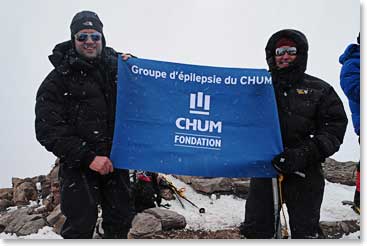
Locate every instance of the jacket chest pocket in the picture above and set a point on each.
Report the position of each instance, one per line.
(304, 103)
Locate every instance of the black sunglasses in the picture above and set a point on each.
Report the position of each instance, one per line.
(290, 50)
(82, 37)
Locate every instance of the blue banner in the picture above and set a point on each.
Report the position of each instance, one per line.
(195, 120)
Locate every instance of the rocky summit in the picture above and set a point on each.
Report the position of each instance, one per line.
(32, 203)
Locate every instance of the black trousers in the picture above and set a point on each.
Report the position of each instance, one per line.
(82, 191)
(303, 198)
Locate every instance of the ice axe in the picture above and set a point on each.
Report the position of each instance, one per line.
(179, 193)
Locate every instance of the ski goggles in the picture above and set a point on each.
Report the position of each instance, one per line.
(289, 50)
(82, 37)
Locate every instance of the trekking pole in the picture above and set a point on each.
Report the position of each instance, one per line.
(201, 210)
(178, 197)
(280, 231)
(277, 225)
(284, 228)
(180, 194)
(170, 186)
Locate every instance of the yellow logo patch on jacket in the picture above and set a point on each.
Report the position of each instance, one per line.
(302, 91)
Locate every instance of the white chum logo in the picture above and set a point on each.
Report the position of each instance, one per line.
(199, 103)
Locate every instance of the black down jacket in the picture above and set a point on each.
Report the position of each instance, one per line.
(311, 114)
(75, 106)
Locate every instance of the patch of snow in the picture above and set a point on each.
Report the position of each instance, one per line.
(354, 235)
(225, 212)
(332, 208)
(43, 233)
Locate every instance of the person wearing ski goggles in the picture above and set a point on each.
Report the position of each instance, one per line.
(285, 54)
(312, 123)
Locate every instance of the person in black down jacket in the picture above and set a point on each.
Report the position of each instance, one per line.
(75, 114)
(313, 124)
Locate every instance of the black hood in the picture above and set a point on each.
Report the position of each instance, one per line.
(64, 58)
(61, 52)
(299, 38)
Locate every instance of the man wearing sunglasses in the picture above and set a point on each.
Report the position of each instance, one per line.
(75, 113)
(313, 123)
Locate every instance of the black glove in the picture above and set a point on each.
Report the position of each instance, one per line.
(290, 161)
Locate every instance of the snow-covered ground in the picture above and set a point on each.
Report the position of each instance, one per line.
(228, 211)
(44, 233)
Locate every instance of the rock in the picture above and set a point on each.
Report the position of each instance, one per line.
(4, 204)
(16, 181)
(48, 204)
(54, 216)
(241, 188)
(336, 229)
(4, 221)
(40, 210)
(31, 227)
(54, 198)
(187, 179)
(47, 181)
(170, 220)
(200, 234)
(54, 173)
(237, 186)
(21, 222)
(154, 220)
(56, 219)
(144, 225)
(51, 182)
(55, 191)
(212, 185)
(45, 185)
(339, 172)
(167, 194)
(6, 193)
(24, 192)
(58, 225)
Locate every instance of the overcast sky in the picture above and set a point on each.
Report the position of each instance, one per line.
(226, 33)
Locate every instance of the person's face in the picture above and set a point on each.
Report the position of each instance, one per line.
(284, 55)
(88, 43)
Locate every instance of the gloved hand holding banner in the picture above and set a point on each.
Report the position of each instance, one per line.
(195, 120)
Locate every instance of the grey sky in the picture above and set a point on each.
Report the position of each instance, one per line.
(225, 33)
